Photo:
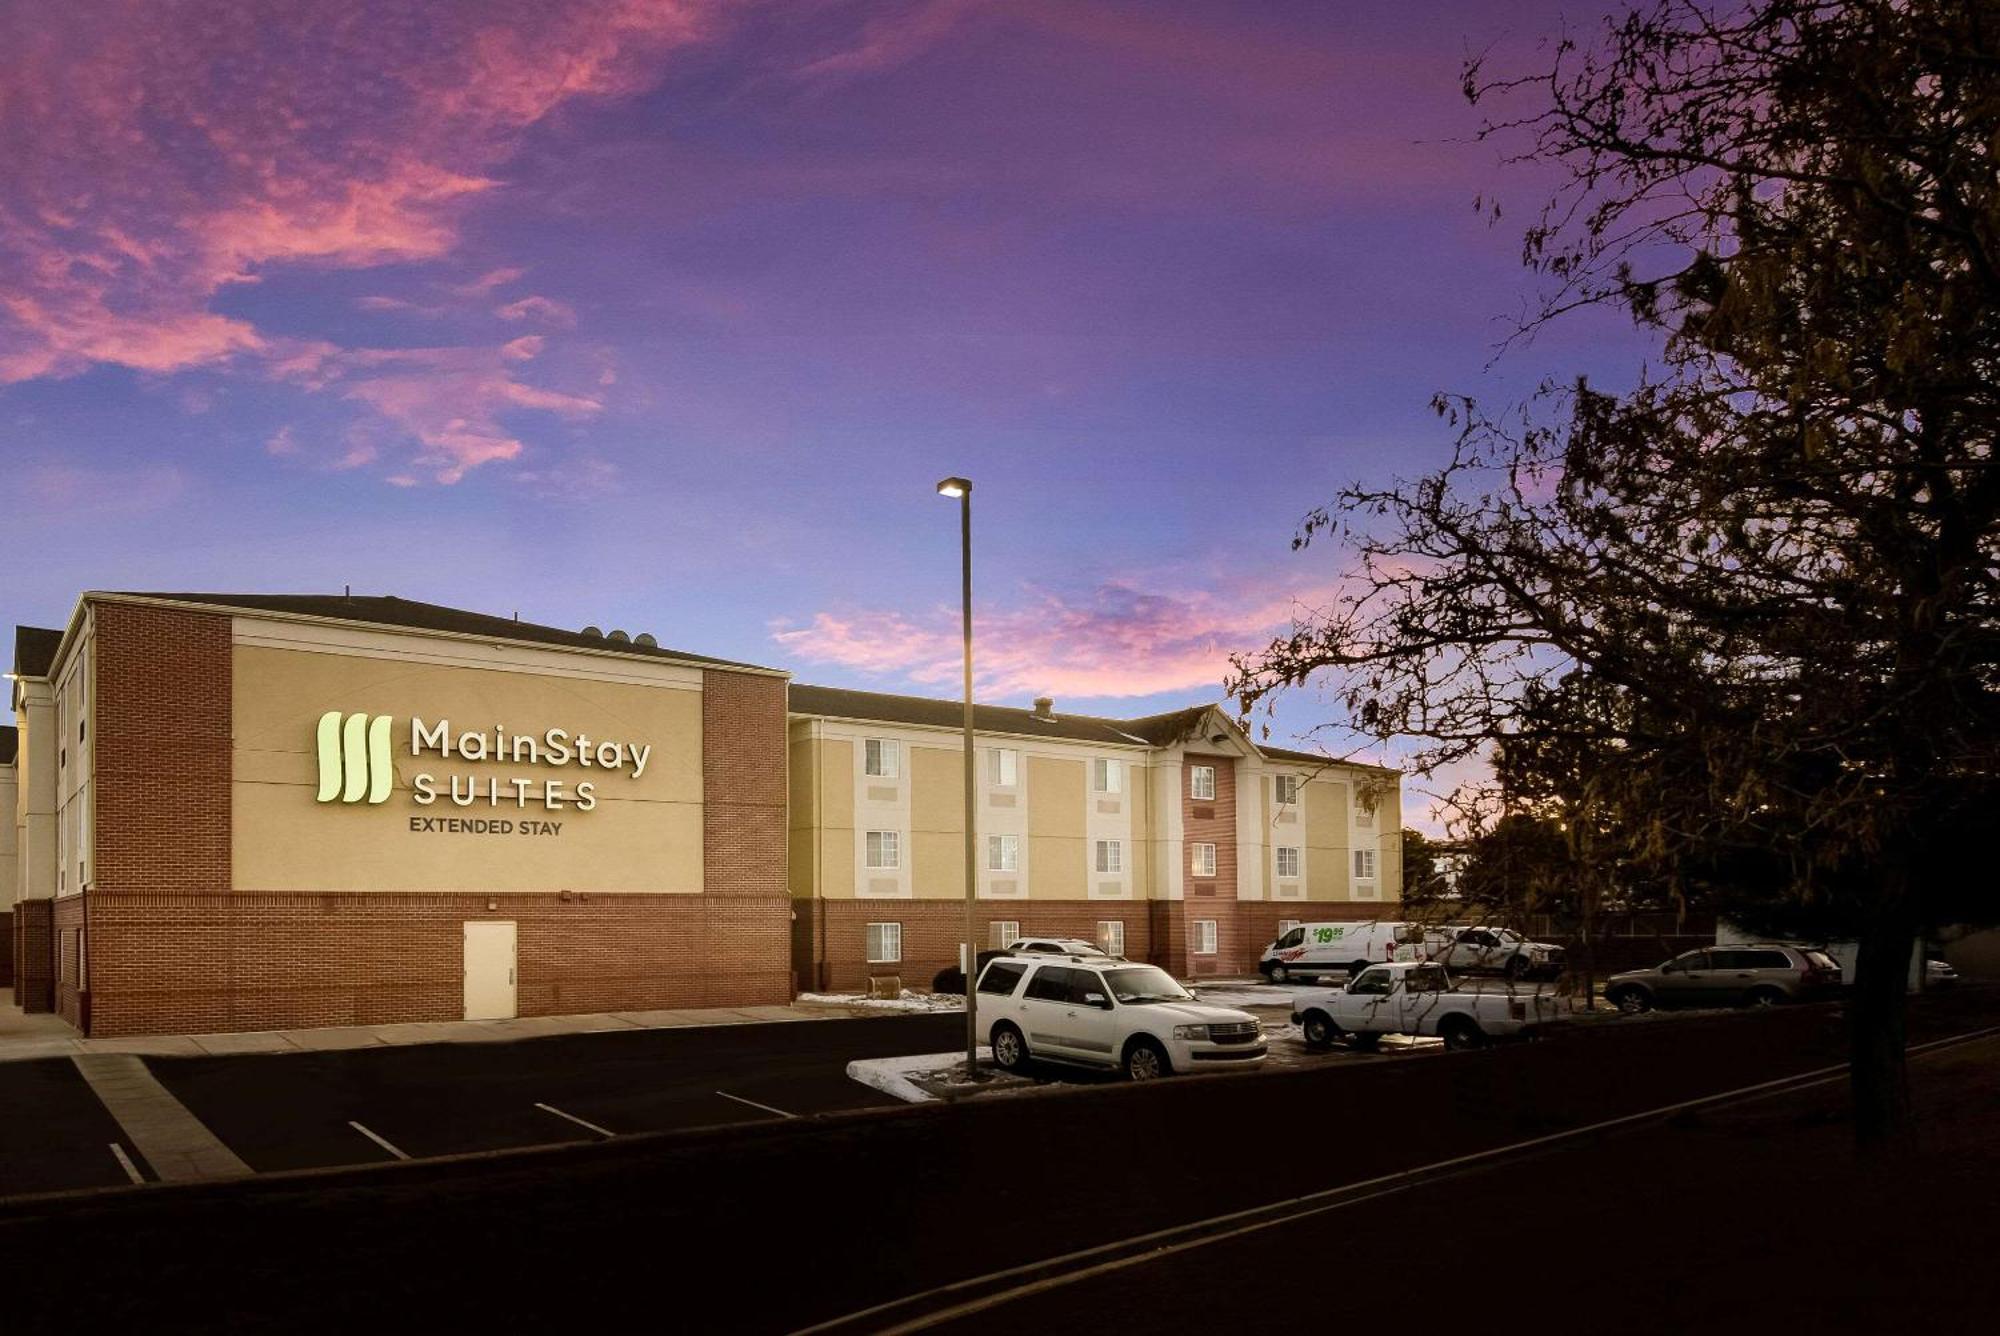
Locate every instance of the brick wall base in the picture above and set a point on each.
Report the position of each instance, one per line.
(829, 937)
(34, 955)
(195, 964)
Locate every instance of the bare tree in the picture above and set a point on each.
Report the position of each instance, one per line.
(1745, 612)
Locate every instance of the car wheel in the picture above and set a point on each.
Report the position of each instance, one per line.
(1320, 1031)
(1010, 1051)
(1765, 997)
(1279, 974)
(1459, 1033)
(1364, 1041)
(1145, 1060)
(1631, 1001)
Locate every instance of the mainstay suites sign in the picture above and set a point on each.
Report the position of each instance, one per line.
(356, 763)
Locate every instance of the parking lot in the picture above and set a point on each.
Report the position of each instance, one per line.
(370, 1105)
(304, 1110)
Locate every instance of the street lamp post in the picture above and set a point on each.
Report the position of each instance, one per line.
(962, 489)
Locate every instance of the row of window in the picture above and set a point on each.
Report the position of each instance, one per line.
(882, 758)
(883, 851)
(885, 940)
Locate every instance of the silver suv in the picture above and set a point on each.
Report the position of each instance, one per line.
(1749, 974)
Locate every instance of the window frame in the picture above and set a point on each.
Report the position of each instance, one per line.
(886, 752)
(1196, 775)
(1205, 938)
(1196, 861)
(1116, 848)
(1003, 853)
(1364, 858)
(1003, 933)
(1298, 862)
(1107, 774)
(1003, 767)
(875, 941)
(876, 842)
(1104, 938)
(1279, 785)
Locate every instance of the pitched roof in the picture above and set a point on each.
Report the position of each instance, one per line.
(388, 610)
(10, 743)
(1319, 758)
(884, 707)
(34, 650)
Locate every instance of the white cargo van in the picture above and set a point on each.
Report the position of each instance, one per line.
(1314, 950)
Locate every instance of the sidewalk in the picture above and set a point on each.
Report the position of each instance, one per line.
(24, 1038)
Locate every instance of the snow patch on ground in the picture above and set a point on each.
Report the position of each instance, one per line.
(922, 1078)
(909, 1001)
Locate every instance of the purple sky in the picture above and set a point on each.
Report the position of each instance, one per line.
(668, 316)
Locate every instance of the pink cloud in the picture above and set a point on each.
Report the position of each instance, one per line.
(450, 401)
(1115, 641)
(153, 161)
(545, 309)
(891, 39)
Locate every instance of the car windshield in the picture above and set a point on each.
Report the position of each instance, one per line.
(1145, 983)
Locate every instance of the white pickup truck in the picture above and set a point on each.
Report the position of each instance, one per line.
(1418, 998)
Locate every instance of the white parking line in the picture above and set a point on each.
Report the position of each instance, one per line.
(755, 1105)
(580, 1122)
(1142, 1249)
(125, 1163)
(377, 1140)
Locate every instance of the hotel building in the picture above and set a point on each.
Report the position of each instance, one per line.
(248, 812)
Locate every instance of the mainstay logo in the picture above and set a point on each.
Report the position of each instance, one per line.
(354, 758)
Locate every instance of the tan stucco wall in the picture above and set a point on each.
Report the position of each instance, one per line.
(1327, 856)
(1056, 844)
(644, 835)
(836, 809)
(801, 793)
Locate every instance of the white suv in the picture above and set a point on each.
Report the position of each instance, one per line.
(1108, 1013)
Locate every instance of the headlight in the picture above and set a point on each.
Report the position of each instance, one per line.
(1190, 1032)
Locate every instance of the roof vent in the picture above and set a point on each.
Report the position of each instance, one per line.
(620, 637)
(645, 638)
(593, 633)
(1045, 707)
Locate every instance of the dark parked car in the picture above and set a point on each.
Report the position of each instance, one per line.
(951, 979)
(1756, 974)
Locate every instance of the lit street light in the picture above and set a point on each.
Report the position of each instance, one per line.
(962, 489)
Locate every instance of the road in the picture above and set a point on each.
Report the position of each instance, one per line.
(777, 1224)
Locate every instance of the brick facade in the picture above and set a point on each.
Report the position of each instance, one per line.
(933, 931)
(34, 955)
(7, 949)
(1208, 821)
(161, 750)
(167, 964)
(743, 757)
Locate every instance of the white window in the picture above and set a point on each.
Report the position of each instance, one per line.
(1003, 933)
(884, 849)
(1364, 865)
(1287, 788)
(1201, 782)
(1107, 775)
(885, 943)
(1111, 936)
(1003, 853)
(1288, 862)
(1204, 937)
(1111, 855)
(1286, 925)
(882, 758)
(1003, 767)
(1204, 859)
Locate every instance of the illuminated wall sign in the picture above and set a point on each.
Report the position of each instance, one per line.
(355, 763)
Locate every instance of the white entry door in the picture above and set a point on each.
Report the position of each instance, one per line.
(489, 971)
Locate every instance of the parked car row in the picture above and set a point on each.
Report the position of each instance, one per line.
(1315, 950)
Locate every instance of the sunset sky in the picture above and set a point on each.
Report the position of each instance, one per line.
(667, 315)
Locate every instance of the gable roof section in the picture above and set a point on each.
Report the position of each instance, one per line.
(35, 650)
(390, 611)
